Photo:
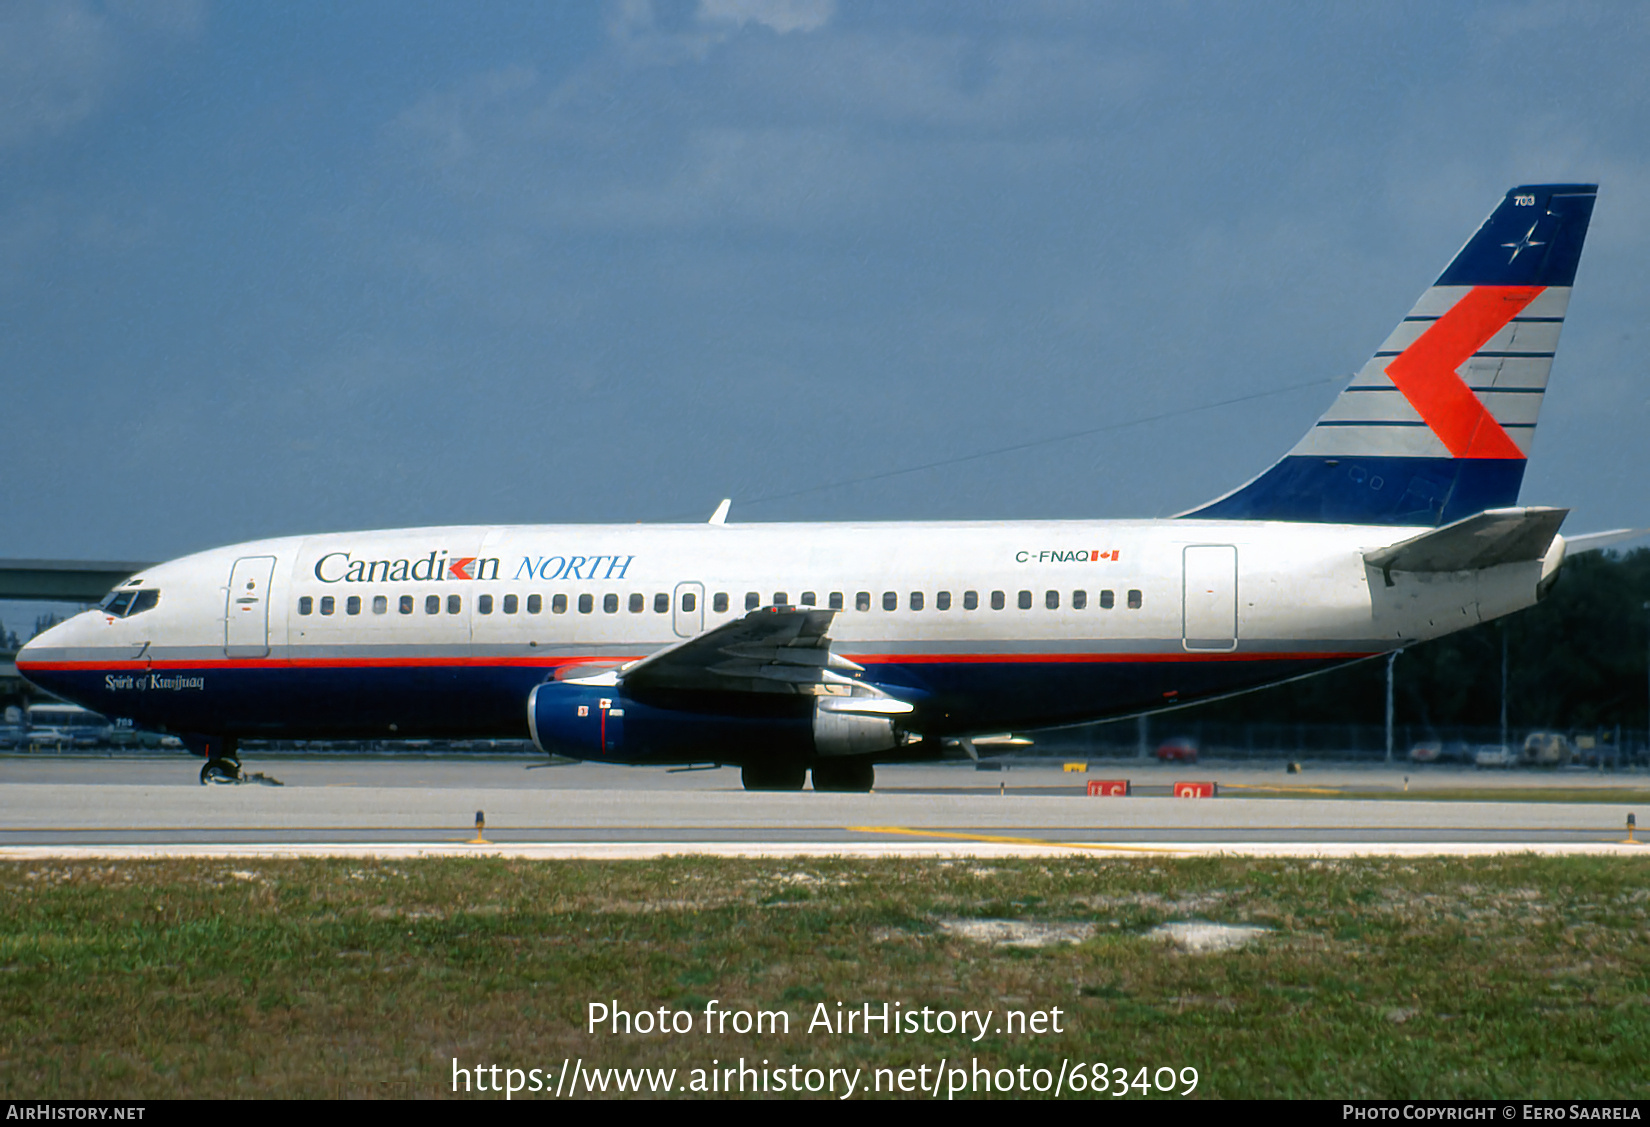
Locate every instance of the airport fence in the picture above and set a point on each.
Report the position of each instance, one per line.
(1146, 737)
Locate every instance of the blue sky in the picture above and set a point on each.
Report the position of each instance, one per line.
(270, 269)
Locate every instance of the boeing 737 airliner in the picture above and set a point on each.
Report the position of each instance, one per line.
(785, 648)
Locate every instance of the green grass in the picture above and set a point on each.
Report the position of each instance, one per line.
(1494, 977)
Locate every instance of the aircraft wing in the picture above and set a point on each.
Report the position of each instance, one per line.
(772, 650)
(1495, 536)
(1595, 541)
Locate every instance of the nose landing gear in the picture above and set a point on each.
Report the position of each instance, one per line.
(222, 755)
(219, 771)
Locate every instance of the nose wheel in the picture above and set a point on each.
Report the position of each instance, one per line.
(219, 771)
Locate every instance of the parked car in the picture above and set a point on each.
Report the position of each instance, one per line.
(1494, 755)
(1546, 749)
(1180, 749)
(52, 724)
(1427, 751)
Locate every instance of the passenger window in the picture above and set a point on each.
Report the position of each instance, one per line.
(1079, 600)
(690, 602)
(996, 600)
(890, 600)
(1107, 600)
(484, 605)
(306, 605)
(146, 600)
(1025, 600)
(836, 600)
(511, 604)
(971, 600)
(454, 604)
(587, 603)
(610, 604)
(326, 604)
(535, 603)
(380, 604)
(661, 603)
(352, 605)
(942, 600)
(558, 604)
(752, 600)
(432, 604)
(862, 601)
(1134, 600)
(406, 604)
(1051, 600)
(781, 599)
(916, 600)
(638, 603)
(720, 603)
(809, 599)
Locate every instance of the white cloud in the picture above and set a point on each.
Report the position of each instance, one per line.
(59, 59)
(783, 16)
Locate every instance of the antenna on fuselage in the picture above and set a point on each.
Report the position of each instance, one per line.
(720, 516)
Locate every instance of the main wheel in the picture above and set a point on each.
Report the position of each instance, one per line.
(854, 776)
(773, 776)
(219, 771)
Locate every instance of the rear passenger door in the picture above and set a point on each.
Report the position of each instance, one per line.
(1209, 598)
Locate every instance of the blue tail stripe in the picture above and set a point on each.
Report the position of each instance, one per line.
(1365, 490)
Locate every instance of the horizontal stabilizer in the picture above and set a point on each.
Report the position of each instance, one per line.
(1497, 536)
(1593, 541)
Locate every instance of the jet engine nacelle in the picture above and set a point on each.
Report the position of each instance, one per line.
(585, 721)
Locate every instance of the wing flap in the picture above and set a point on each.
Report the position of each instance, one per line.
(772, 650)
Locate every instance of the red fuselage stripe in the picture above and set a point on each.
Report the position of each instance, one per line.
(553, 662)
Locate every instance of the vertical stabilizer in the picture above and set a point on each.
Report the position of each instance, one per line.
(1438, 424)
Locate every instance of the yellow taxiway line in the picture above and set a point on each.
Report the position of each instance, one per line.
(998, 840)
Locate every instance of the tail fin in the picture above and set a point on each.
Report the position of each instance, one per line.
(1439, 423)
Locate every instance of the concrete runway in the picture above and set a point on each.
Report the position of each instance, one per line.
(152, 805)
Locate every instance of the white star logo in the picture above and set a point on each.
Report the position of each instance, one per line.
(1524, 244)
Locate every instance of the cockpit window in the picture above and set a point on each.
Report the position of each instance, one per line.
(123, 603)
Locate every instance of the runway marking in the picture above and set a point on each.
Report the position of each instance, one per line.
(1109, 827)
(1285, 790)
(998, 840)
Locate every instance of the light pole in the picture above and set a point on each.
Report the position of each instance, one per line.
(1503, 683)
(1391, 659)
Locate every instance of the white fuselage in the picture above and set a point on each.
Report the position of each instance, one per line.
(985, 626)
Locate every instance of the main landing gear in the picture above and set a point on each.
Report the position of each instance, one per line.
(841, 776)
(852, 776)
